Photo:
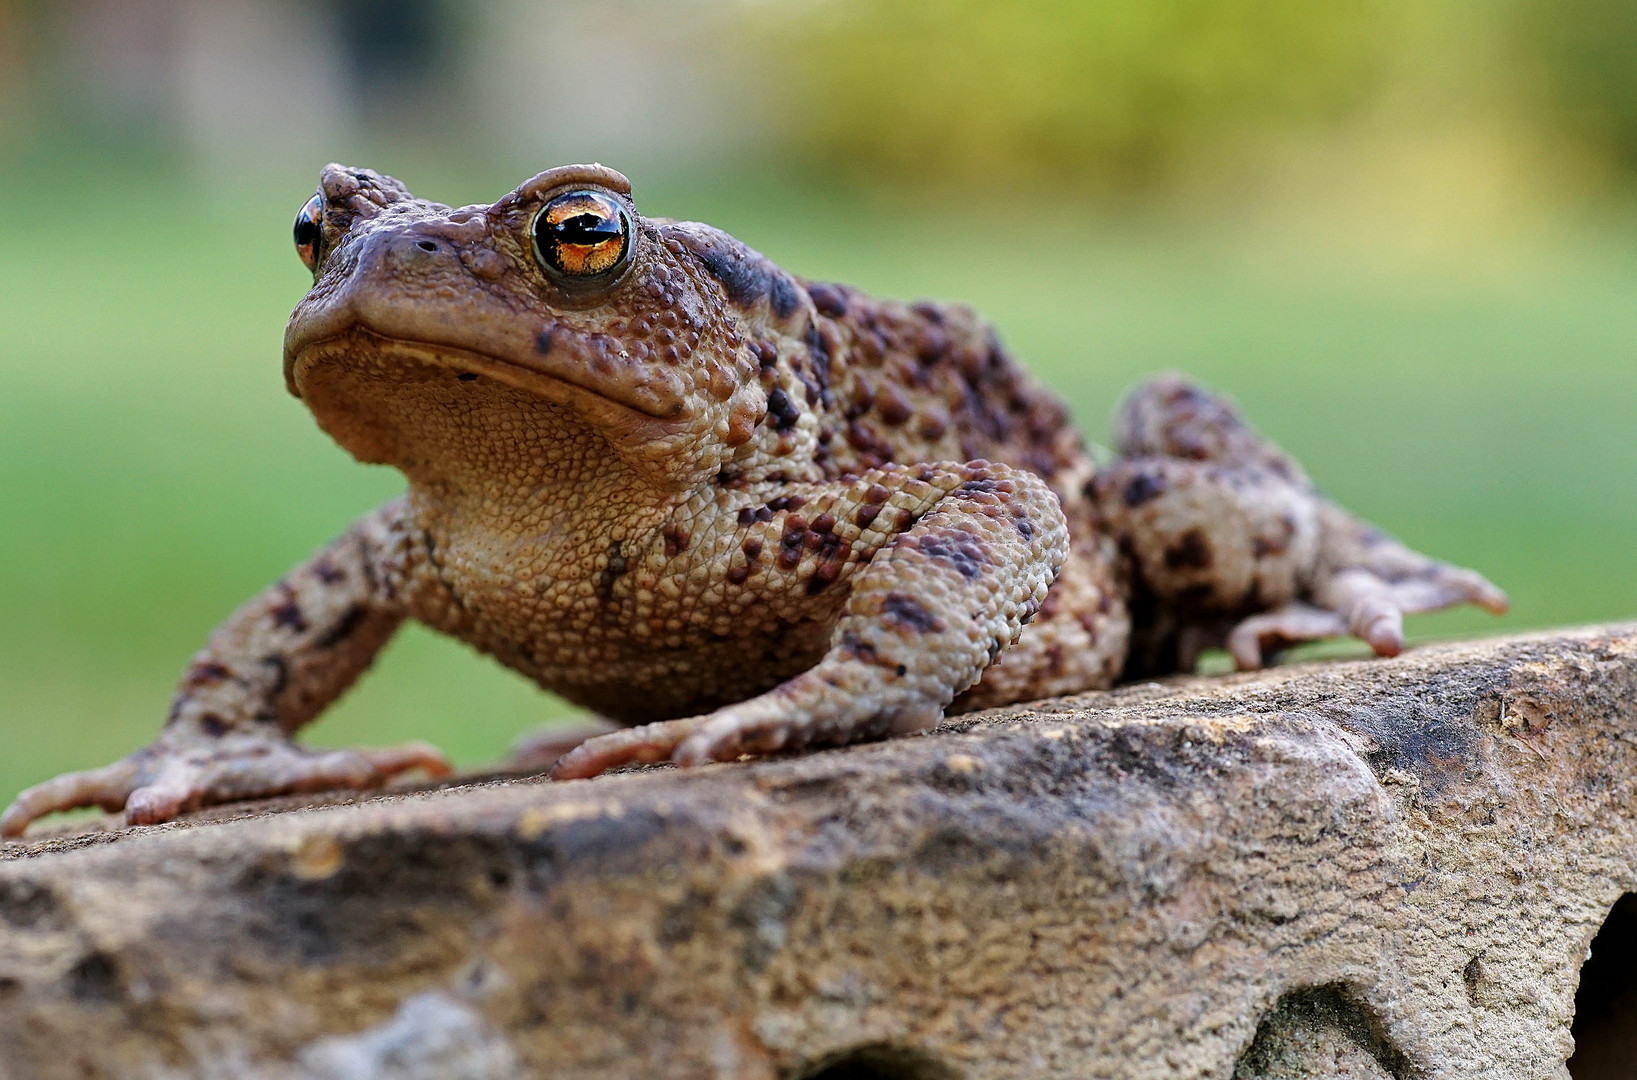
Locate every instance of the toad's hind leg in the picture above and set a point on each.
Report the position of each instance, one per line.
(1229, 543)
(928, 610)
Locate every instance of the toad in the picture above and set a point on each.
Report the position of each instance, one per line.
(729, 510)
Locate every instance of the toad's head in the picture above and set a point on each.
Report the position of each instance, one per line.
(557, 313)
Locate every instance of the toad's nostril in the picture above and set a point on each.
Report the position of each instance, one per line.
(426, 245)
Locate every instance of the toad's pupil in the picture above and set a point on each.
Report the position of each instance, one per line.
(586, 229)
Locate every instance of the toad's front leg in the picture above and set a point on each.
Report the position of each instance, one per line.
(268, 670)
(944, 576)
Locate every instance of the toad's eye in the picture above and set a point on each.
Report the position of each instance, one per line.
(582, 235)
(309, 231)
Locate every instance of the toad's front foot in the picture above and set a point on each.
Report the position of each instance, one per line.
(176, 775)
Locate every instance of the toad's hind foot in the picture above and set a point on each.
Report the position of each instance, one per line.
(1366, 582)
(1367, 604)
(169, 778)
(1229, 543)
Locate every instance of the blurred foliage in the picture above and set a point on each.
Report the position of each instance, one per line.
(1129, 94)
(1586, 51)
(1112, 90)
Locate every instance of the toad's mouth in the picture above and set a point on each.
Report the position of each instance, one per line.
(589, 372)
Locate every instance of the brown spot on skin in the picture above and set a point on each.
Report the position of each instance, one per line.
(280, 669)
(910, 613)
(328, 572)
(742, 423)
(863, 396)
(721, 382)
(205, 674)
(894, 408)
(824, 523)
(676, 540)
(213, 725)
(1264, 546)
(782, 410)
(784, 296)
(787, 502)
(288, 616)
(865, 515)
(752, 547)
(819, 349)
(833, 554)
(342, 628)
(542, 341)
(958, 549)
(791, 542)
(855, 648)
(1141, 488)
(1192, 551)
(877, 495)
(829, 300)
(931, 344)
(738, 574)
(767, 358)
(611, 573)
(933, 426)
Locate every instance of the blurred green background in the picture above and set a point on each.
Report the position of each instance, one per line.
(1402, 234)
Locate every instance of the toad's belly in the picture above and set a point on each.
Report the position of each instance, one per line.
(633, 681)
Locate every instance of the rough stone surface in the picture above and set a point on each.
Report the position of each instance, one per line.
(1362, 870)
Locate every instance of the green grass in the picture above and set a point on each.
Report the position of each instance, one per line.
(153, 472)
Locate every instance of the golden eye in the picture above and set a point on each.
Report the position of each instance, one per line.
(582, 235)
(309, 231)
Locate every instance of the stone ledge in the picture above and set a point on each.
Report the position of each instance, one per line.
(1363, 869)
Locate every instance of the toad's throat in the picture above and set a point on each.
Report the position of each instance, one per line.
(564, 367)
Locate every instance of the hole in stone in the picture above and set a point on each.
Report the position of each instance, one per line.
(1311, 1031)
(1605, 1005)
(881, 1062)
